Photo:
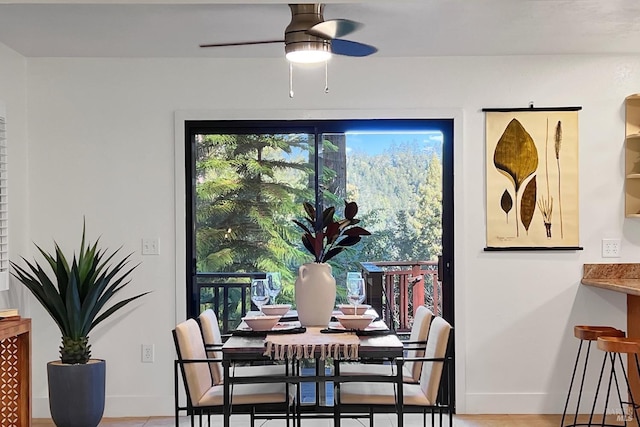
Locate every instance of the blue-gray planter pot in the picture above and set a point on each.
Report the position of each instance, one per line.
(76, 393)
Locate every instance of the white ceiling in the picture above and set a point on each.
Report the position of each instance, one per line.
(165, 28)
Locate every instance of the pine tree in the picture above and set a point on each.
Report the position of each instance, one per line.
(248, 188)
(429, 212)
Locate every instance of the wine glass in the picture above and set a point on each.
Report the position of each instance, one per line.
(355, 292)
(353, 275)
(259, 292)
(274, 284)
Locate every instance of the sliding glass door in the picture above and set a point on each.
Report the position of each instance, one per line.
(246, 182)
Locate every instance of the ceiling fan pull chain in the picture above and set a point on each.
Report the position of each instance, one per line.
(290, 80)
(326, 76)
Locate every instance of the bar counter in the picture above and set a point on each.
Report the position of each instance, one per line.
(623, 278)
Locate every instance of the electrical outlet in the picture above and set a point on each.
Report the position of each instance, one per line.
(151, 246)
(148, 353)
(610, 248)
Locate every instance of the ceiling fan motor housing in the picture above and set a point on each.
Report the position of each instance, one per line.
(303, 17)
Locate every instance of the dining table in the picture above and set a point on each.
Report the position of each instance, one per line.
(291, 343)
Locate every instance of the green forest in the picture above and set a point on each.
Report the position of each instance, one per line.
(249, 188)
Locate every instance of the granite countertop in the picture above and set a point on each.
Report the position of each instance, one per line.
(624, 278)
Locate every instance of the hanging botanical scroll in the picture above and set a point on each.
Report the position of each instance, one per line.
(532, 178)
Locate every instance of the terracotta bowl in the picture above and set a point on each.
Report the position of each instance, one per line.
(349, 308)
(276, 309)
(355, 321)
(261, 323)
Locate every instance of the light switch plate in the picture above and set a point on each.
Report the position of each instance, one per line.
(150, 246)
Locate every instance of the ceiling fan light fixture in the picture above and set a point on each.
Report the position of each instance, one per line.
(308, 53)
(308, 56)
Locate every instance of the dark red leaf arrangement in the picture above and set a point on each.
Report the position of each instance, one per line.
(332, 236)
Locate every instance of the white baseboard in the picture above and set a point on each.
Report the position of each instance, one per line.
(119, 406)
(522, 403)
(476, 403)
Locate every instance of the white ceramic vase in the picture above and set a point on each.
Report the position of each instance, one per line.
(315, 294)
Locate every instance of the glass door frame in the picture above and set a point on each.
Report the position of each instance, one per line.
(317, 128)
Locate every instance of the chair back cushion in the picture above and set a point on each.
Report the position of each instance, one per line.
(437, 344)
(211, 335)
(190, 346)
(419, 331)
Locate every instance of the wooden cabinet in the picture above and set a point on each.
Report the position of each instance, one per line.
(632, 156)
(15, 373)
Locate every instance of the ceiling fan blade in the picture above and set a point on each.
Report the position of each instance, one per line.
(349, 48)
(334, 28)
(241, 43)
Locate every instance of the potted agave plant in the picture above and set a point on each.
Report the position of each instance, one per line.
(315, 287)
(75, 296)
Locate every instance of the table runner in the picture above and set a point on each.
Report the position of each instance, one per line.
(303, 346)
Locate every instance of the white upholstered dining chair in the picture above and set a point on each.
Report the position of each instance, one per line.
(205, 397)
(213, 343)
(363, 397)
(414, 349)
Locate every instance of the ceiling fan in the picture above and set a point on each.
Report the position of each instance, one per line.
(309, 38)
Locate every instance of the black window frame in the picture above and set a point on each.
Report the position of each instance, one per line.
(317, 128)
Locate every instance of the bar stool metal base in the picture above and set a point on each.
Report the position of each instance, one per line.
(613, 348)
(589, 334)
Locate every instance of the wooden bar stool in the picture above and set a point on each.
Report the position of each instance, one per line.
(589, 334)
(613, 348)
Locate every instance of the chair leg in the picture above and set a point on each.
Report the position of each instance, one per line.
(584, 375)
(615, 378)
(595, 398)
(573, 376)
(176, 401)
(337, 407)
(370, 417)
(631, 398)
(611, 376)
(298, 415)
(288, 406)
(633, 401)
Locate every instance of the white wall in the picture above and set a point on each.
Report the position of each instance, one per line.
(13, 96)
(101, 145)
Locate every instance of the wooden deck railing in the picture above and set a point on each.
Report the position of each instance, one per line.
(227, 294)
(396, 287)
